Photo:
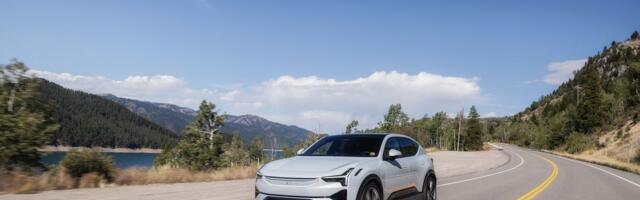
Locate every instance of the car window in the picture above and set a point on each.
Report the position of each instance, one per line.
(322, 149)
(346, 145)
(408, 147)
(392, 143)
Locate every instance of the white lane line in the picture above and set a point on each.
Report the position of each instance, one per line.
(605, 171)
(488, 175)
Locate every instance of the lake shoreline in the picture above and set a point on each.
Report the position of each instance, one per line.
(100, 149)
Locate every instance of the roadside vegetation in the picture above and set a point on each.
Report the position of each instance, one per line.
(59, 178)
(592, 117)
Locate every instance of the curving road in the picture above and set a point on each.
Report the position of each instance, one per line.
(536, 175)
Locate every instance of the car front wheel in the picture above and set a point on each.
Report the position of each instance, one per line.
(371, 191)
(429, 188)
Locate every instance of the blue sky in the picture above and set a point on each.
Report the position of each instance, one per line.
(293, 61)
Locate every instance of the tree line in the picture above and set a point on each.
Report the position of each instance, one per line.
(440, 131)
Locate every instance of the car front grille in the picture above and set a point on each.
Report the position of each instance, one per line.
(290, 181)
(284, 198)
(341, 195)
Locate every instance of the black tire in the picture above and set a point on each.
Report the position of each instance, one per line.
(429, 189)
(370, 191)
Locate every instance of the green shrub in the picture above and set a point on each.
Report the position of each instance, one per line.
(619, 134)
(578, 142)
(79, 163)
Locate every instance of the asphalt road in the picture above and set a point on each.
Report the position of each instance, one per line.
(536, 175)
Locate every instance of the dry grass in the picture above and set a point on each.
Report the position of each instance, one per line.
(621, 144)
(136, 176)
(22, 182)
(431, 149)
(58, 179)
(619, 148)
(605, 161)
(91, 180)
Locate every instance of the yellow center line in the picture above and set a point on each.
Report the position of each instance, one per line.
(538, 189)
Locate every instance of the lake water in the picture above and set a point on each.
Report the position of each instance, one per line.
(122, 160)
(127, 160)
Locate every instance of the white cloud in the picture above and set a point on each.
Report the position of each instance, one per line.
(332, 103)
(158, 88)
(229, 96)
(559, 72)
(490, 114)
(310, 102)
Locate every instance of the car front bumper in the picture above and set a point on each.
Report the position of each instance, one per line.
(310, 189)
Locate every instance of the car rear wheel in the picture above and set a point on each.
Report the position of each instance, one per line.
(429, 188)
(371, 191)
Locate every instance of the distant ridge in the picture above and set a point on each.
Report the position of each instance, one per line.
(176, 118)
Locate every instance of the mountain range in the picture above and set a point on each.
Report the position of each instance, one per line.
(176, 118)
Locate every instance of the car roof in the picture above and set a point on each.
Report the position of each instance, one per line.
(381, 135)
(360, 135)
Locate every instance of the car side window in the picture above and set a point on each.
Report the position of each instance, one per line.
(408, 147)
(392, 143)
(323, 150)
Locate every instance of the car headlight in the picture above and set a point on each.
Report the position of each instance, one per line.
(342, 178)
(258, 175)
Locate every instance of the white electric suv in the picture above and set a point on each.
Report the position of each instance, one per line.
(351, 167)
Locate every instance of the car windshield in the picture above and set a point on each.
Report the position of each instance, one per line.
(348, 146)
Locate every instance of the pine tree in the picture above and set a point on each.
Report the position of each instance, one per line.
(352, 127)
(590, 111)
(473, 139)
(634, 35)
(436, 127)
(235, 154)
(394, 119)
(22, 128)
(255, 150)
(201, 147)
(634, 86)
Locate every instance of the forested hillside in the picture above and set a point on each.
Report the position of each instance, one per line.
(595, 111)
(90, 120)
(169, 116)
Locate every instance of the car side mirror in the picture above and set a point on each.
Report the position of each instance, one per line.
(393, 154)
(300, 151)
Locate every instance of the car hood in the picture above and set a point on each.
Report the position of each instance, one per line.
(310, 166)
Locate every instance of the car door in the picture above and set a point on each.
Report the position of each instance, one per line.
(394, 170)
(409, 150)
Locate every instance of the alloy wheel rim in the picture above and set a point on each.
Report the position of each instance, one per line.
(372, 194)
(432, 189)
